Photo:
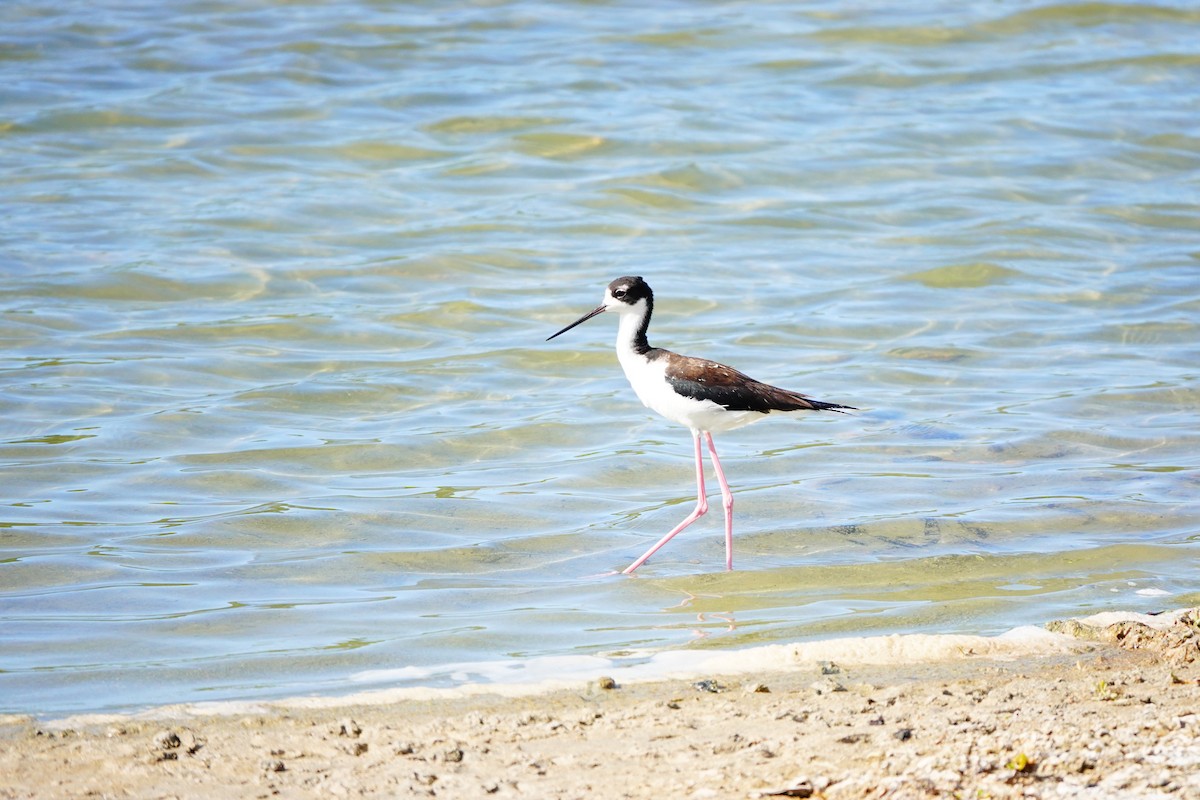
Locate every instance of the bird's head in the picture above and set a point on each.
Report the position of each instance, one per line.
(627, 295)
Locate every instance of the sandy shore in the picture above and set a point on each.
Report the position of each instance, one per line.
(1102, 709)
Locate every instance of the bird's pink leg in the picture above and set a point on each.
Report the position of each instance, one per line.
(726, 499)
(701, 504)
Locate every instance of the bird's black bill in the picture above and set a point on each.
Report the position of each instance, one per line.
(579, 321)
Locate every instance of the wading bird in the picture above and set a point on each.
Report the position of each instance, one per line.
(702, 395)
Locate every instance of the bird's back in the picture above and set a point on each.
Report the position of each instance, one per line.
(706, 395)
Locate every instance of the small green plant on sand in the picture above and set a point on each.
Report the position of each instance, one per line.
(1020, 763)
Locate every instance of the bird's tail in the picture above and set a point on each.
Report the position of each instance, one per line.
(821, 405)
(794, 401)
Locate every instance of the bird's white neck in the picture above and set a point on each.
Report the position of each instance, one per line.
(631, 331)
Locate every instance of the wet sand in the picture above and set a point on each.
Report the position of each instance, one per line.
(1100, 709)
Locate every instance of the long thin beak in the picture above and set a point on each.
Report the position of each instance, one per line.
(579, 321)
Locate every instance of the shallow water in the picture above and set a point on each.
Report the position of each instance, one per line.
(275, 406)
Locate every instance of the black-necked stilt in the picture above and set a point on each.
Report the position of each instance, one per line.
(701, 394)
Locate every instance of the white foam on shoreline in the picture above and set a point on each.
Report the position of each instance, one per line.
(523, 678)
(1157, 621)
(511, 678)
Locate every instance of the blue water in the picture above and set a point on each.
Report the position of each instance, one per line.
(276, 409)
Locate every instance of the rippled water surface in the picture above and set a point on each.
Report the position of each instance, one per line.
(277, 412)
